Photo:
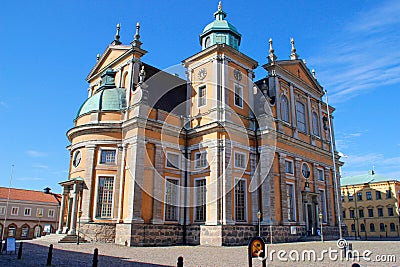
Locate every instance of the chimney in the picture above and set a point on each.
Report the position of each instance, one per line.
(47, 190)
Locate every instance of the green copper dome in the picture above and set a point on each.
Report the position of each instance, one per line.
(106, 98)
(220, 31)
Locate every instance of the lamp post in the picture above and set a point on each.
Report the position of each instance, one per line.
(259, 222)
(322, 233)
(355, 230)
(365, 228)
(79, 225)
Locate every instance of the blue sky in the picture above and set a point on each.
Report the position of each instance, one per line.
(47, 49)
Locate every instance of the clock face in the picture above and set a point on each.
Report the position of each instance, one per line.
(305, 170)
(202, 73)
(237, 74)
(77, 159)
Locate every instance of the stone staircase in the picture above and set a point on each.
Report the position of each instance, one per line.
(72, 239)
(51, 238)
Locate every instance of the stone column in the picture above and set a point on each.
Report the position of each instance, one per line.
(267, 186)
(72, 230)
(254, 194)
(212, 189)
(227, 186)
(158, 182)
(117, 182)
(122, 183)
(88, 187)
(309, 126)
(293, 111)
(62, 210)
(299, 196)
(321, 123)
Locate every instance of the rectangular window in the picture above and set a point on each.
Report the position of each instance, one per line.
(290, 202)
(27, 212)
(388, 194)
(321, 175)
(24, 232)
(200, 160)
(352, 214)
(301, 117)
(370, 212)
(342, 198)
(390, 211)
(359, 196)
(378, 195)
(240, 160)
(380, 212)
(105, 197)
(238, 96)
(39, 212)
(350, 197)
(344, 214)
(2, 210)
(50, 213)
(171, 200)
(368, 195)
(173, 160)
(240, 201)
(202, 97)
(361, 213)
(14, 210)
(323, 204)
(289, 167)
(107, 156)
(200, 198)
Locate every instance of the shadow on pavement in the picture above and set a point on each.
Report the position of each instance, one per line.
(36, 255)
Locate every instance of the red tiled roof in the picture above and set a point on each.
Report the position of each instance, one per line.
(29, 195)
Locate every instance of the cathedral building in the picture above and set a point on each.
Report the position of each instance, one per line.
(201, 158)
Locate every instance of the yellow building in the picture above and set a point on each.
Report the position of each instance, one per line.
(371, 205)
(161, 159)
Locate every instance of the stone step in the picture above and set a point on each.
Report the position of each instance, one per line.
(72, 239)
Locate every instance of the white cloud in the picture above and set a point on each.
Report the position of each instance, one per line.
(35, 154)
(40, 166)
(364, 56)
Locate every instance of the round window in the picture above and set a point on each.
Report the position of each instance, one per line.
(77, 158)
(305, 170)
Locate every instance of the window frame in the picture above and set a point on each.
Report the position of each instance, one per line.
(380, 212)
(104, 149)
(368, 195)
(237, 180)
(378, 195)
(315, 124)
(51, 211)
(96, 207)
(370, 212)
(298, 118)
(324, 210)
(201, 99)
(292, 209)
(195, 200)
(198, 161)
(176, 207)
(179, 160)
(3, 210)
(321, 170)
(244, 160)
(29, 213)
(285, 109)
(240, 96)
(292, 166)
(359, 196)
(14, 213)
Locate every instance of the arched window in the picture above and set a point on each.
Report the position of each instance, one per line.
(315, 124)
(372, 227)
(25, 231)
(285, 109)
(392, 227)
(362, 227)
(382, 227)
(38, 231)
(12, 229)
(301, 117)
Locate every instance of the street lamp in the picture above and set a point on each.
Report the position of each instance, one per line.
(79, 225)
(320, 219)
(259, 222)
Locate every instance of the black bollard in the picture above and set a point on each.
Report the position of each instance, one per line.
(180, 262)
(20, 250)
(49, 255)
(95, 257)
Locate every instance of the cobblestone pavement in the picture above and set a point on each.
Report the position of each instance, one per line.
(35, 254)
